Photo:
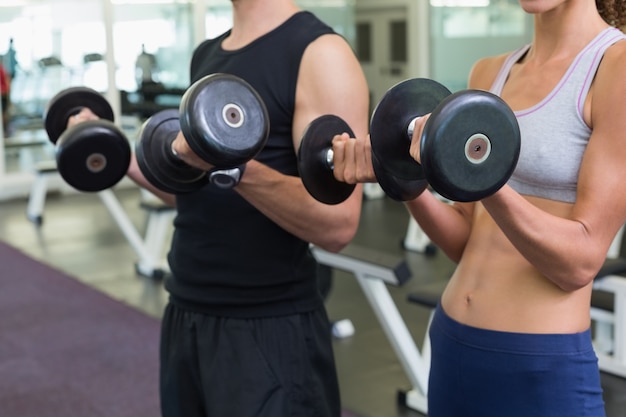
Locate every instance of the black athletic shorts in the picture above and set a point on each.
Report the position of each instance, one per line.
(267, 367)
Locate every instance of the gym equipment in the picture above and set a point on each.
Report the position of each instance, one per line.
(92, 155)
(315, 160)
(397, 188)
(415, 239)
(374, 271)
(469, 147)
(224, 121)
(608, 310)
(156, 160)
(149, 248)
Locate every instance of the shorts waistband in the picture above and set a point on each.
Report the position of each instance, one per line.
(530, 343)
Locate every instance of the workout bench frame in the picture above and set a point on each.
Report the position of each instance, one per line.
(609, 318)
(373, 272)
(149, 249)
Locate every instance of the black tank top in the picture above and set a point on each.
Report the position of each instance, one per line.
(227, 258)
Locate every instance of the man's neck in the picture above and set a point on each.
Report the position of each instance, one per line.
(254, 18)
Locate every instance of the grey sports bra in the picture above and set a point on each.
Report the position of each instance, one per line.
(554, 134)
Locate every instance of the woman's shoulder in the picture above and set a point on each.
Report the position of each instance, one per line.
(616, 53)
(611, 69)
(485, 70)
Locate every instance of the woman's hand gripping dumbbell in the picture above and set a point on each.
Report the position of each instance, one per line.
(464, 145)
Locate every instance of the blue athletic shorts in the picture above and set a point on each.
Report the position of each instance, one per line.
(482, 373)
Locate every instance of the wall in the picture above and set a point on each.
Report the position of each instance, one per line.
(444, 42)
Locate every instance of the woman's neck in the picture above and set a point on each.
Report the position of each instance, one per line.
(564, 31)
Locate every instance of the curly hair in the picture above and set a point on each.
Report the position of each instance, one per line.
(613, 12)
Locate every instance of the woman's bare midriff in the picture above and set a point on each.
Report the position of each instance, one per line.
(495, 288)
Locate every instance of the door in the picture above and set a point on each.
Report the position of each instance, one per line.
(381, 46)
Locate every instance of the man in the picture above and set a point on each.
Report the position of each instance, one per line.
(245, 332)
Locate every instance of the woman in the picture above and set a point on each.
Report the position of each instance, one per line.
(511, 336)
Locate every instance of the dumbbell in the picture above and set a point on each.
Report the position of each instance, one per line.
(315, 159)
(315, 164)
(224, 121)
(469, 147)
(92, 155)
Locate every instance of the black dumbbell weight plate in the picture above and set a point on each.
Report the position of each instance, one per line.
(390, 121)
(156, 161)
(224, 120)
(315, 170)
(470, 145)
(93, 155)
(69, 102)
(396, 188)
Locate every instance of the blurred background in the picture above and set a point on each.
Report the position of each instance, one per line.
(136, 52)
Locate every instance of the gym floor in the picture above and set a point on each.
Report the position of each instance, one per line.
(79, 237)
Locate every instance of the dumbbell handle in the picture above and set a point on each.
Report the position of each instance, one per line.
(173, 151)
(330, 159)
(74, 111)
(170, 154)
(411, 127)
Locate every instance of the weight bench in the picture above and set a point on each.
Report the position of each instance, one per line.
(44, 171)
(427, 296)
(608, 315)
(415, 239)
(159, 223)
(374, 271)
(149, 248)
